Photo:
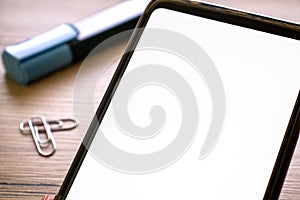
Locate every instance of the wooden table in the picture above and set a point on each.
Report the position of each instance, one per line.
(23, 173)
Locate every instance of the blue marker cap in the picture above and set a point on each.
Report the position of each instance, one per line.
(40, 55)
(29, 60)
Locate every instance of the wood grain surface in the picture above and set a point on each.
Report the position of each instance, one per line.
(23, 173)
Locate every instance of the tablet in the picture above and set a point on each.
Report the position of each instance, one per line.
(204, 104)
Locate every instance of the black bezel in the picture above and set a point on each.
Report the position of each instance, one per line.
(240, 18)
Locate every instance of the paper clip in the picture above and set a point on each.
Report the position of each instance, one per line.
(42, 132)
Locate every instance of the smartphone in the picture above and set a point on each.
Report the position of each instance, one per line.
(204, 104)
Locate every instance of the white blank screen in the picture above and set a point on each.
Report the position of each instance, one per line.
(260, 74)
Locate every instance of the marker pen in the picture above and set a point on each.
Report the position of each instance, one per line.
(45, 53)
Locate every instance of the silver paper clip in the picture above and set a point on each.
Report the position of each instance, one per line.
(42, 132)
